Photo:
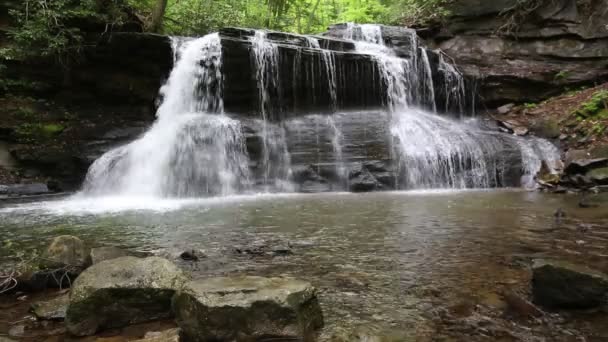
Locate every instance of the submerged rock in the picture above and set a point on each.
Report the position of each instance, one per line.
(557, 284)
(53, 309)
(192, 255)
(224, 309)
(171, 335)
(370, 335)
(122, 291)
(100, 254)
(66, 251)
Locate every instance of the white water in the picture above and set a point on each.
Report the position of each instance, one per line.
(434, 151)
(192, 149)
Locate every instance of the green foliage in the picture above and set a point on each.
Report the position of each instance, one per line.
(562, 75)
(38, 131)
(596, 104)
(53, 28)
(412, 12)
(197, 17)
(530, 105)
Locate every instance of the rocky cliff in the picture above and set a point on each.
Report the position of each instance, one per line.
(526, 51)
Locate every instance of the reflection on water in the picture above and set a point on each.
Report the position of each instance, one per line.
(382, 258)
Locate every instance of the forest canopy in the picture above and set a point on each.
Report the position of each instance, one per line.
(60, 28)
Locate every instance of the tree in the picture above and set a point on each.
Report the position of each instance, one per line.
(158, 13)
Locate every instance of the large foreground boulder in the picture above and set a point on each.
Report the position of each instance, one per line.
(248, 308)
(122, 291)
(561, 285)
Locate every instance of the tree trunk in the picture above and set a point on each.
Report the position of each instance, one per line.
(156, 22)
(312, 16)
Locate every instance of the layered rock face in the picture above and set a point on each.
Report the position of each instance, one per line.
(526, 51)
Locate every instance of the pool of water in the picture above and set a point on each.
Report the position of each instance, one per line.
(397, 260)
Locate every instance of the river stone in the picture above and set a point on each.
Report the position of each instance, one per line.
(599, 176)
(66, 251)
(244, 308)
(122, 291)
(364, 334)
(53, 309)
(171, 335)
(557, 284)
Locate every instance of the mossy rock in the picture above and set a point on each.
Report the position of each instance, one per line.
(599, 176)
(562, 285)
(120, 292)
(548, 129)
(248, 308)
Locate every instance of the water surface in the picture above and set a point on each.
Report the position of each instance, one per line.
(393, 260)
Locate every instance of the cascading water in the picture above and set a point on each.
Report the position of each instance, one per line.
(195, 149)
(192, 149)
(432, 151)
(275, 156)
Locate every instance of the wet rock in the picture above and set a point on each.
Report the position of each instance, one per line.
(53, 309)
(192, 255)
(24, 189)
(582, 166)
(171, 335)
(247, 308)
(363, 181)
(100, 254)
(66, 251)
(599, 176)
(557, 284)
(122, 291)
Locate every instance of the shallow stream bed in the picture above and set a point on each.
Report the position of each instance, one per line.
(433, 265)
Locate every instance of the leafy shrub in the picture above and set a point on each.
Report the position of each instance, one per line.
(596, 105)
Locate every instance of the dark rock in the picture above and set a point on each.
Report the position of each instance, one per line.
(582, 166)
(53, 309)
(560, 285)
(598, 175)
(192, 255)
(24, 189)
(363, 181)
(120, 292)
(247, 308)
(560, 44)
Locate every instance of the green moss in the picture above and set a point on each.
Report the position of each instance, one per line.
(38, 131)
(596, 105)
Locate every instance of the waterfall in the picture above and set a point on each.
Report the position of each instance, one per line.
(432, 151)
(275, 155)
(419, 139)
(192, 149)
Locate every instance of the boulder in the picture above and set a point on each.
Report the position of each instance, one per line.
(548, 129)
(599, 175)
(361, 180)
(53, 309)
(561, 285)
(582, 166)
(120, 292)
(171, 335)
(66, 251)
(225, 309)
